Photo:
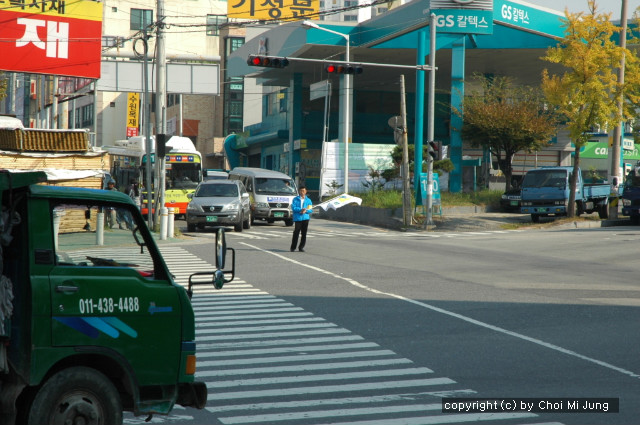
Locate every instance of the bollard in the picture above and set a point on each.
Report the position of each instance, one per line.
(163, 223)
(100, 229)
(170, 223)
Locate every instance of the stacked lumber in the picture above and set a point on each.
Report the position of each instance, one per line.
(64, 155)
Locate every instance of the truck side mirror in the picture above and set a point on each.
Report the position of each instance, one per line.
(221, 249)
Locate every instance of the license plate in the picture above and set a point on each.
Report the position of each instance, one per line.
(542, 210)
(514, 203)
(278, 214)
(211, 218)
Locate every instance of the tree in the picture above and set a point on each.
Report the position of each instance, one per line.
(506, 118)
(586, 94)
(439, 166)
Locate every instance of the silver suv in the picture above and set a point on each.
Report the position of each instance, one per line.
(219, 203)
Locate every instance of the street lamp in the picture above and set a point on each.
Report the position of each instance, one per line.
(346, 111)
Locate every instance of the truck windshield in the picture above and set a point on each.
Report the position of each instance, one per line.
(275, 186)
(633, 178)
(545, 178)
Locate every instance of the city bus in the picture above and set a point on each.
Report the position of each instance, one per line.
(183, 172)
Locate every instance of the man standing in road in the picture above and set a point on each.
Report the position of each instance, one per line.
(302, 209)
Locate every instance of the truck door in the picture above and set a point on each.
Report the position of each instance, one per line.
(107, 294)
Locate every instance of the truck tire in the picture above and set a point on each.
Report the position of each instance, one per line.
(535, 218)
(603, 211)
(288, 222)
(248, 222)
(76, 395)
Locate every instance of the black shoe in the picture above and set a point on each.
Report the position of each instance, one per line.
(293, 249)
(301, 250)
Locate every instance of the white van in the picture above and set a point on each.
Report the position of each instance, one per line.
(271, 193)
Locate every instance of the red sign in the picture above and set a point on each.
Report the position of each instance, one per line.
(51, 37)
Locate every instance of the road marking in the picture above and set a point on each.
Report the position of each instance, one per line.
(376, 399)
(456, 315)
(323, 389)
(303, 367)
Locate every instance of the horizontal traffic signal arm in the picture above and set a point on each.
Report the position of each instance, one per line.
(267, 61)
(258, 60)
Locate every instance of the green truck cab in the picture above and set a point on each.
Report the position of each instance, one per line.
(91, 321)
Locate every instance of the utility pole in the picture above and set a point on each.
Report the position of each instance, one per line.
(431, 120)
(618, 131)
(161, 95)
(406, 189)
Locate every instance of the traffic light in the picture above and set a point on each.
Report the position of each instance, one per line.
(343, 69)
(267, 61)
(434, 150)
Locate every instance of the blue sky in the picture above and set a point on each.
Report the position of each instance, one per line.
(613, 6)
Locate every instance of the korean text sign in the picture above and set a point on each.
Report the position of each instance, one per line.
(272, 9)
(57, 37)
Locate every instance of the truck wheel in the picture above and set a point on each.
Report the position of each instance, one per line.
(535, 218)
(191, 227)
(247, 223)
(288, 222)
(77, 395)
(603, 211)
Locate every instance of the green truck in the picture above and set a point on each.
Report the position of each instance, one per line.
(92, 323)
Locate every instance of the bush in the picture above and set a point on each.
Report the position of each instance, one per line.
(393, 199)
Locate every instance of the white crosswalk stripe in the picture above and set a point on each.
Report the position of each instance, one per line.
(267, 361)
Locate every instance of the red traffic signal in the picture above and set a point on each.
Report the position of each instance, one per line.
(343, 69)
(434, 150)
(267, 61)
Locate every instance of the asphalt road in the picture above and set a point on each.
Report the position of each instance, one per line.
(541, 314)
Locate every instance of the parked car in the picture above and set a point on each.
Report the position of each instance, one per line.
(219, 203)
(510, 200)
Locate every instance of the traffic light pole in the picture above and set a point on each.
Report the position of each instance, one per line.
(431, 120)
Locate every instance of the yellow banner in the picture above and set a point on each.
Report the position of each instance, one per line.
(79, 9)
(133, 110)
(272, 9)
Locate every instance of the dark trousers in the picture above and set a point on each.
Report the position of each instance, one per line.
(300, 227)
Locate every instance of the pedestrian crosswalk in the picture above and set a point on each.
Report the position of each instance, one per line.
(267, 361)
(261, 234)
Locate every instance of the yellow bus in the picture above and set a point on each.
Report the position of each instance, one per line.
(183, 172)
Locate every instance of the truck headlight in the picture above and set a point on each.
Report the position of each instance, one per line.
(626, 202)
(262, 205)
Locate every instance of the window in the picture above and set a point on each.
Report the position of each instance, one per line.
(214, 22)
(84, 116)
(235, 44)
(140, 19)
(75, 239)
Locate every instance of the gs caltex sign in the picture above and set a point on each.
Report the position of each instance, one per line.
(600, 150)
(463, 16)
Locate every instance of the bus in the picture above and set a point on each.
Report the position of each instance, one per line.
(183, 172)
(183, 169)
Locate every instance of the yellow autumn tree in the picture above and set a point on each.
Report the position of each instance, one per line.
(586, 93)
